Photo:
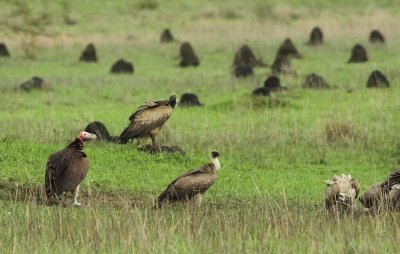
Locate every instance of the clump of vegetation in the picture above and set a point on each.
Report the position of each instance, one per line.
(66, 14)
(338, 129)
(147, 5)
(28, 23)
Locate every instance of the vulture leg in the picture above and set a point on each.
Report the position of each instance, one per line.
(153, 140)
(76, 193)
(196, 199)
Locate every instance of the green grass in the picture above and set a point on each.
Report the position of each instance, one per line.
(275, 156)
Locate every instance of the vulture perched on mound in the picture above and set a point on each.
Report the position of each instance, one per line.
(384, 195)
(66, 169)
(191, 185)
(341, 192)
(148, 119)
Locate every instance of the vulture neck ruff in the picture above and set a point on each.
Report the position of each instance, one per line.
(215, 162)
(76, 144)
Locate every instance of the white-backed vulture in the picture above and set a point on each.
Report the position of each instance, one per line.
(66, 169)
(384, 195)
(148, 119)
(340, 193)
(191, 185)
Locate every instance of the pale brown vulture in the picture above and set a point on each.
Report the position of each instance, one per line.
(148, 119)
(384, 195)
(340, 194)
(66, 169)
(191, 185)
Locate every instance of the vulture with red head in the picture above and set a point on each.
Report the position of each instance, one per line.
(66, 169)
(148, 119)
(191, 185)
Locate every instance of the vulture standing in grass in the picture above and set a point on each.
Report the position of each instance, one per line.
(384, 195)
(191, 185)
(148, 119)
(340, 194)
(66, 169)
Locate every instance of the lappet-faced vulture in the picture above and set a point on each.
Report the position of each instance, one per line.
(148, 119)
(191, 185)
(384, 195)
(66, 169)
(340, 193)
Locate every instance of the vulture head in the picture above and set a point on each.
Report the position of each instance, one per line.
(214, 154)
(86, 136)
(172, 100)
(341, 192)
(215, 160)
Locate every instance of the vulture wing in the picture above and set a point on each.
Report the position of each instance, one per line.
(393, 179)
(146, 119)
(147, 105)
(51, 173)
(189, 184)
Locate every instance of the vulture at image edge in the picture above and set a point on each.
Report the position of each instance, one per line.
(66, 169)
(191, 185)
(384, 195)
(148, 119)
(340, 193)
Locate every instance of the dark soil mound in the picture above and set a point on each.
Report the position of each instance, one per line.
(188, 56)
(164, 149)
(189, 99)
(376, 37)
(281, 65)
(358, 54)
(260, 91)
(245, 57)
(89, 54)
(3, 50)
(315, 81)
(121, 66)
(242, 71)
(33, 83)
(273, 84)
(166, 36)
(316, 37)
(288, 49)
(377, 79)
(101, 131)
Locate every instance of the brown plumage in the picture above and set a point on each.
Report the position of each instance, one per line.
(340, 193)
(101, 132)
(191, 185)
(66, 169)
(148, 119)
(384, 195)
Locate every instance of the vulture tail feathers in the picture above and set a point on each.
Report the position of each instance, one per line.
(124, 138)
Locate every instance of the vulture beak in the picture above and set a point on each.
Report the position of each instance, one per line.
(86, 136)
(92, 137)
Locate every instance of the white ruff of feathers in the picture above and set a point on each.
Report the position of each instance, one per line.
(344, 183)
(216, 163)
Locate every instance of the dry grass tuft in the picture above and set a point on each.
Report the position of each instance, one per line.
(339, 129)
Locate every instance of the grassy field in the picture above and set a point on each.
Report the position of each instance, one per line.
(275, 153)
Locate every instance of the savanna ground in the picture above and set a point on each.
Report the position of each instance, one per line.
(275, 153)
